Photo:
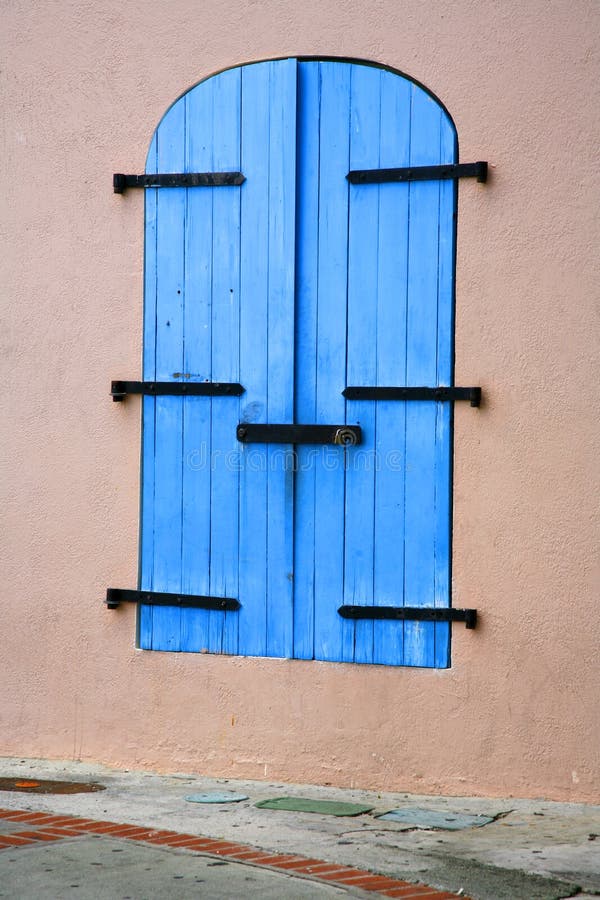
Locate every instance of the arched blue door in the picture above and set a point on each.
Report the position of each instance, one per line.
(298, 284)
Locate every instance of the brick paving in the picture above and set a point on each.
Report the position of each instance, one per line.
(34, 827)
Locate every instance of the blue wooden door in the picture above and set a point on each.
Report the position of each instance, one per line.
(297, 284)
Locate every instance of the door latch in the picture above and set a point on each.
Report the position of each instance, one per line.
(342, 435)
(346, 437)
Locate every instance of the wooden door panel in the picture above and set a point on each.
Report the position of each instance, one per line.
(297, 284)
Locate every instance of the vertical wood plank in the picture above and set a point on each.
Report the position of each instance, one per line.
(391, 368)
(330, 629)
(361, 368)
(280, 352)
(444, 418)
(197, 448)
(254, 291)
(267, 352)
(421, 368)
(146, 574)
(225, 360)
(307, 297)
(170, 264)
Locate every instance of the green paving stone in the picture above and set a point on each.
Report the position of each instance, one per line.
(324, 807)
(433, 818)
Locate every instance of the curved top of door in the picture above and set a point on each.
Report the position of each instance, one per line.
(402, 76)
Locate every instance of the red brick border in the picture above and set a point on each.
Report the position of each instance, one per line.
(31, 827)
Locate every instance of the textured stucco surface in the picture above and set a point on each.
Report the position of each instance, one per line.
(84, 85)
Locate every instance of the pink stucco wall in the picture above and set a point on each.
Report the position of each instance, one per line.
(84, 85)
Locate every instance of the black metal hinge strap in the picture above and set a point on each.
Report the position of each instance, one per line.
(478, 170)
(177, 179)
(472, 394)
(342, 435)
(418, 613)
(116, 596)
(120, 389)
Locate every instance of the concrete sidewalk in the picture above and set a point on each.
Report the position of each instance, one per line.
(531, 850)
